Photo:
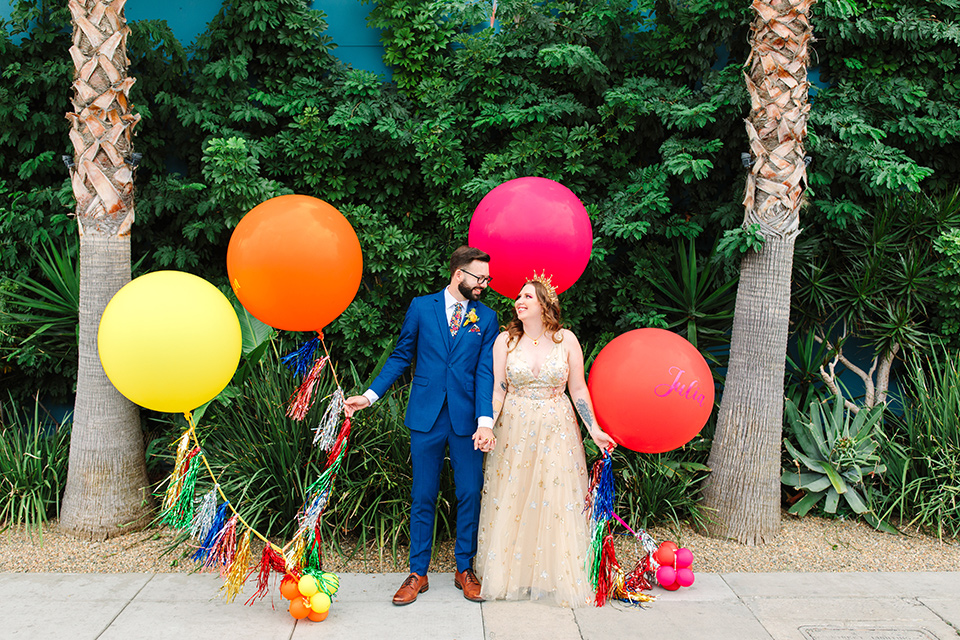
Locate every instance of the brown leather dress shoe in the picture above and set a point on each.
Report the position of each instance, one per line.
(413, 586)
(469, 584)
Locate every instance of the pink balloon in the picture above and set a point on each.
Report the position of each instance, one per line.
(666, 575)
(532, 225)
(684, 557)
(684, 577)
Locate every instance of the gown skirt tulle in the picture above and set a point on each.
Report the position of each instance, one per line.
(533, 538)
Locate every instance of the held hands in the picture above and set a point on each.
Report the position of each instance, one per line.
(605, 442)
(484, 440)
(354, 403)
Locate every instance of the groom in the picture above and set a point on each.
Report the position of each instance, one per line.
(450, 335)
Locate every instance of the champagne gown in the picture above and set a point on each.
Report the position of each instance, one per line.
(533, 537)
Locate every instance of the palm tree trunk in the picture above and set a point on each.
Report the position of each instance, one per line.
(743, 490)
(107, 490)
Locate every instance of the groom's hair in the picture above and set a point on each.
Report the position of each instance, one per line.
(465, 255)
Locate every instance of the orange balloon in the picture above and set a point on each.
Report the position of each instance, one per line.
(300, 608)
(289, 588)
(295, 263)
(317, 616)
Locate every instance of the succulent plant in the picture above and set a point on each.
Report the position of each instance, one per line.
(833, 454)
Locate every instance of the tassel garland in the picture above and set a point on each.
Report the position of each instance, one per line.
(176, 478)
(302, 398)
(180, 515)
(205, 515)
(237, 571)
(301, 360)
(215, 526)
(271, 560)
(200, 555)
(325, 434)
(224, 547)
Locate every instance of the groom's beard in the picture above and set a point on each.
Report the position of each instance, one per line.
(468, 293)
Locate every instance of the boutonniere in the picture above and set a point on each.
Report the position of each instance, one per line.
(471, 318)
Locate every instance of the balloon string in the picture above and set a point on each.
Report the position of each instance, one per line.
(333, 368)
(203, 457)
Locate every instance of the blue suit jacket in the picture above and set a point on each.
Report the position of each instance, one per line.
(456, 369)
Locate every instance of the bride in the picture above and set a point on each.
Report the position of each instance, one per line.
(533, 538)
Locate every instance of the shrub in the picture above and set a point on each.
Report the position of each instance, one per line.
(33, 465)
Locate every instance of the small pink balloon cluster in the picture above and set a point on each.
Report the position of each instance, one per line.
(675, 566)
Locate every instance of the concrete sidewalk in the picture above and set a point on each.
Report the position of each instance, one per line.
(734, 606)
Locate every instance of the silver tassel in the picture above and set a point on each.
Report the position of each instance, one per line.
(204, 515)
(325, 435)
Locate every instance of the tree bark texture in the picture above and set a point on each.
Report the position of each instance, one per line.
(107, 490)
(742, 493)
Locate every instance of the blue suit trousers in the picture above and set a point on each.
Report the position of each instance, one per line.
(427, 451)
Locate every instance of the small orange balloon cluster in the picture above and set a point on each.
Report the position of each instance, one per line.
(676, 564)
(310, 595)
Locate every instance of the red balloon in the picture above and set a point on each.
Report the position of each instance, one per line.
(664, 556)
(295, 263)
(532, 225)
(670, 544)
(652, 391)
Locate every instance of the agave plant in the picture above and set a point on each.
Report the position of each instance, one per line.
(833, 455)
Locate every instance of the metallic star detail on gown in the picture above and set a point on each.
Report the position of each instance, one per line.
(533, 537)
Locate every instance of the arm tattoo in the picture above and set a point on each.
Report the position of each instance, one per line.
(503, 385)
(584, 410)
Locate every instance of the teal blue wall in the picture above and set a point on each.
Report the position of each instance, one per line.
(357, 44)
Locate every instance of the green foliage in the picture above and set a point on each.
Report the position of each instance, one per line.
(635, 106)
(262, 459)
(33, 466)
(695, 297)
(740, 240)
(39, 318)
(879, 279)
(660, 488)
(924, 445)
(947, 271)
(888, 119)
(833, 457)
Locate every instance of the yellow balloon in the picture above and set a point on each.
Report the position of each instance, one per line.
(308, 586)
(320, 602)
(169, 341)
(329, 583)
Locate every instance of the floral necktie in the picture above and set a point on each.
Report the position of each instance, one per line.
(456, 318)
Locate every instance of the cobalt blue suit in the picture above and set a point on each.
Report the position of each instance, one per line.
(452, 387)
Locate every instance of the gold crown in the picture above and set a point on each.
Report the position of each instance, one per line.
(544, 279)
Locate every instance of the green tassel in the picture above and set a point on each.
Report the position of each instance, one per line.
(596, 552)
(311, 557)
(180, 515)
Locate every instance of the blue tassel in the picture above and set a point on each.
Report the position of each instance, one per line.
(604, 502)
(200, 555)
(301, 360)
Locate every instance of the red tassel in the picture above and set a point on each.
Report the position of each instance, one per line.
(608, 565)
(224, 547)
(270, 560)
(302, 398)
(340, 442)
(636, 580)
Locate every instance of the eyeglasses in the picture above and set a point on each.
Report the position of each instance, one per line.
(480, 279)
